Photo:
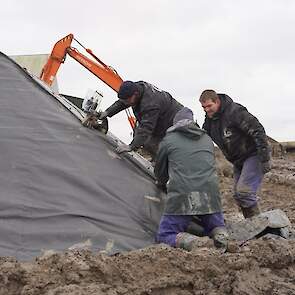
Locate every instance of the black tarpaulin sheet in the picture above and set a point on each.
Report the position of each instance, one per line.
(61, 183)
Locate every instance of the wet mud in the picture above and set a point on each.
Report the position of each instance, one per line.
(261, 266)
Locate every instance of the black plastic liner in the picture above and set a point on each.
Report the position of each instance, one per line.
(62, 183)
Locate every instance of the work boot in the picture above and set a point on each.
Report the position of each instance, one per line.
(251, 211)
(220, 237)
(189, 242)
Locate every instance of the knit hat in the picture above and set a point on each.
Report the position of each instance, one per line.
(127, 89)
(184, 114)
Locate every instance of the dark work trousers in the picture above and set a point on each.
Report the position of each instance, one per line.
(171, 225)
(247, 181)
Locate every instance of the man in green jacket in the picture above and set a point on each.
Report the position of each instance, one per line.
(186, 163)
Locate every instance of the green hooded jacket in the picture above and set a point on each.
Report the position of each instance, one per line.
(186, 162)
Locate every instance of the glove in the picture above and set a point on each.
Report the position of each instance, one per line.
(89, 121)
(102, 115)
(123, 148)
(161, 186)
(266, 166)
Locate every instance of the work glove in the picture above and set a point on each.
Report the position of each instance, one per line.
(266, 166)
(161, 186)
(102, 115)
(89, 121)
(123, 148)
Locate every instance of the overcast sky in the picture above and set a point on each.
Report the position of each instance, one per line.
(245, 49)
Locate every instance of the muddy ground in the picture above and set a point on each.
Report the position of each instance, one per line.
(263, 266)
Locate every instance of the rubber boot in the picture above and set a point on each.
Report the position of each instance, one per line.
(189, 242)
(251, 211)
(220, 237)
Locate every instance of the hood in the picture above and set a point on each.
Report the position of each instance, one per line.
(188, 128)
(140, 87)
(225, 102)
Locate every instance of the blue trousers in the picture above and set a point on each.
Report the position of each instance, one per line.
(247, 181)
(171, 225)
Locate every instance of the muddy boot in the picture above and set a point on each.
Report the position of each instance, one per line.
(251, 211)
(220, 237)
(189, 242)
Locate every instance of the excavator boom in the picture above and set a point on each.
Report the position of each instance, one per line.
(56, 58)
(100, 70)
(63, 47)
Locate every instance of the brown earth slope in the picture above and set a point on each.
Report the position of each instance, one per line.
(263, 266)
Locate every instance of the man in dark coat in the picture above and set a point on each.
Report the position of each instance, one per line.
(153, 108)
(186, 163)
(243, 141)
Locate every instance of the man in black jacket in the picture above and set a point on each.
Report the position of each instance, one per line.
(243, 141)
(154, 110)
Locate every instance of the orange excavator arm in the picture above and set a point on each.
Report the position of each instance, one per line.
(104, 72)
(63, 47)
(56, 58)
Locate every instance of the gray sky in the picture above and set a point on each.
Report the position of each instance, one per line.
(242, 48)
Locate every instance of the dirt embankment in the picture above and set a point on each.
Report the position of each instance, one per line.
(263, 266)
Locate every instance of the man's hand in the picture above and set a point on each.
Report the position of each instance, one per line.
(89, 121)
(102, 115)
(266, 167)
(161, 186)
(123, 148)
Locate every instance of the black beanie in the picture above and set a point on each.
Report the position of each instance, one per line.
(127, 89)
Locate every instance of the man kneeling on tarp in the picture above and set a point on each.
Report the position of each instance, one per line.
(186, 163)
